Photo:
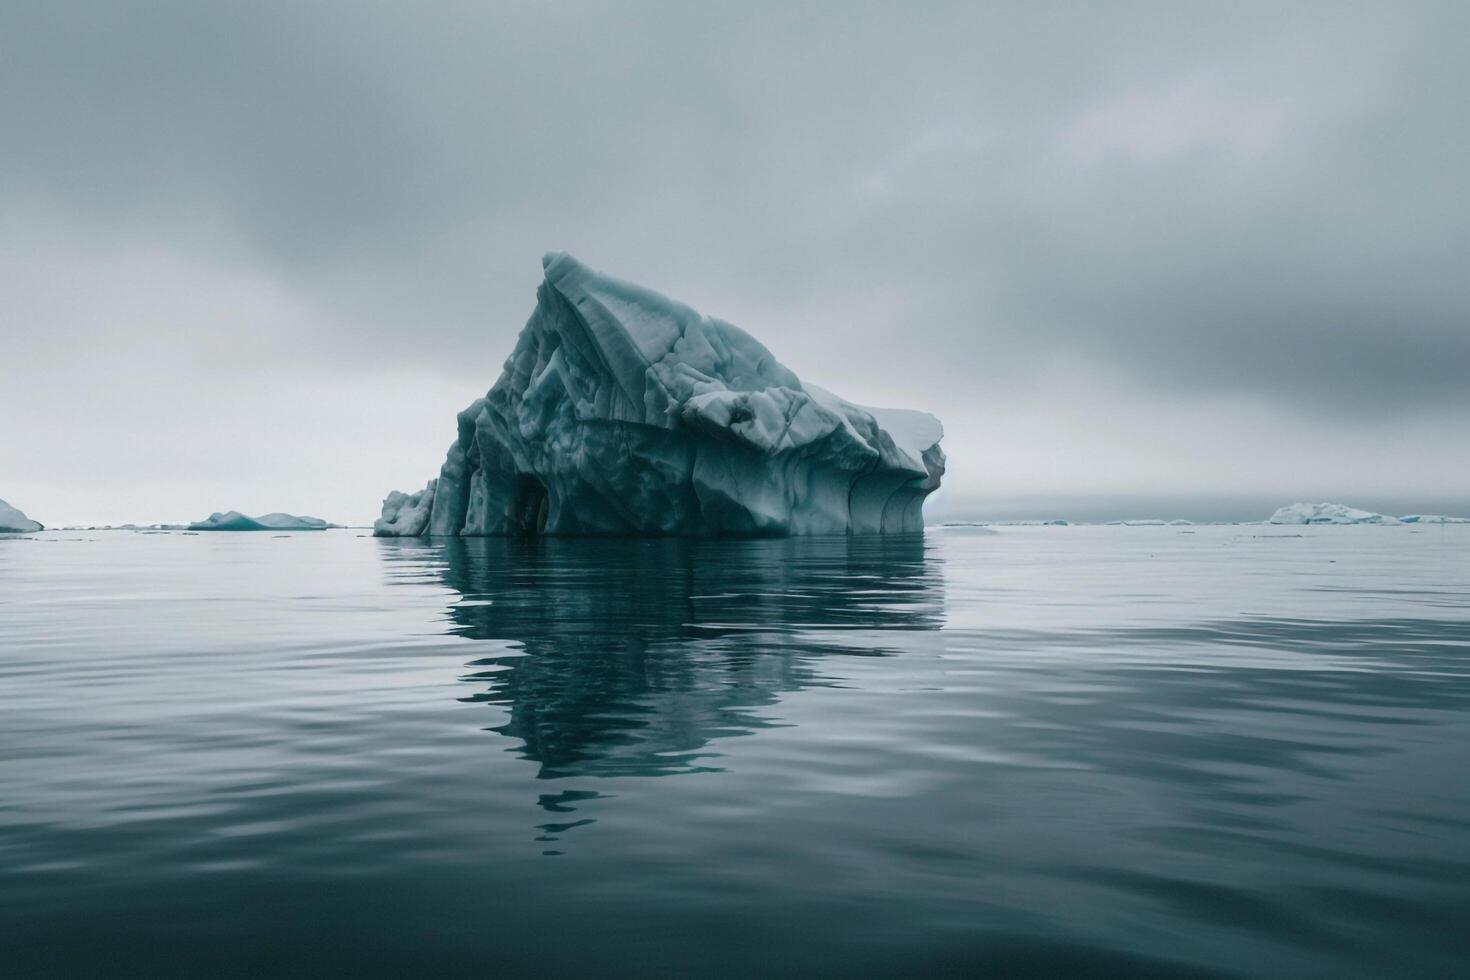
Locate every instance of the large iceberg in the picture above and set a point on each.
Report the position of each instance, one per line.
(1327, 514)
(621, 411)
(233, 520)
(12, 520)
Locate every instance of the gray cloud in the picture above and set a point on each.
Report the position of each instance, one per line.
(1203, 200)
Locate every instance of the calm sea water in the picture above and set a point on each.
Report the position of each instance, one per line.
(1051, 751)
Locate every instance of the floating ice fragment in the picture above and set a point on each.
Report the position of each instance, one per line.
(1327, 514)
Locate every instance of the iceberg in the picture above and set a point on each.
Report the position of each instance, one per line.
(406, 515)
(621, 411)
(1327, 514)
(291, 522)
(1433, 519)
(12, 521)
(233, 520)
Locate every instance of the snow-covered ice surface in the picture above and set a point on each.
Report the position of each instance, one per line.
(621, 411)
(1327, 514)
(233, 520)
(12, 520)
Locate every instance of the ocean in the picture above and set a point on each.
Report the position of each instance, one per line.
(1015, 751)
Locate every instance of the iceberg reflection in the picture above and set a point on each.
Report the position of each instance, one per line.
(628, 657)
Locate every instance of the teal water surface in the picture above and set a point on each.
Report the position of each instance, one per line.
(1037, 751)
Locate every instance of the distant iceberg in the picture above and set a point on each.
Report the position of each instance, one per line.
(621, 411)
(233, 520)
(12, 521)
(1433, 519)
(1328, 514)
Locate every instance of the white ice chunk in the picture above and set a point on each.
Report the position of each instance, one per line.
(1327, 514)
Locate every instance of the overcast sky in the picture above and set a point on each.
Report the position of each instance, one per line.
(257, 255)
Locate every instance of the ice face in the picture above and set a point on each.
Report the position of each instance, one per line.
(621, 411)
(233, 520)
(1327, 514)
(12, 520)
